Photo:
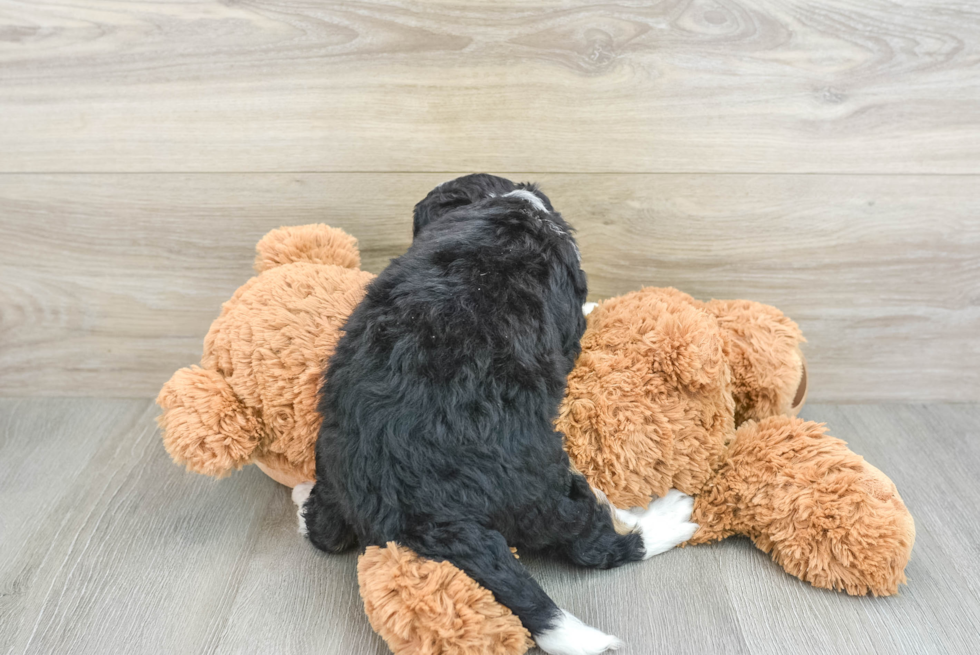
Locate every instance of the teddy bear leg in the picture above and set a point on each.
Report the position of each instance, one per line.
(205, 426)
(420, 606)
(762, 346)
(822, 512)
(715, 511)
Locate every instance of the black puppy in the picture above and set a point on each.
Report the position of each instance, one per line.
(438, 409)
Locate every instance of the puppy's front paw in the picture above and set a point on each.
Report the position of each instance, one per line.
(570, 636)
(667, 523)
(300, 493)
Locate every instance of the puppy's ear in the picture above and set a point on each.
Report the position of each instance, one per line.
(421, 217)
(434, 205)
(457, 193)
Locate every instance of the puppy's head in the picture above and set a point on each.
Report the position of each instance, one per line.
(468, 190)
(514, 208)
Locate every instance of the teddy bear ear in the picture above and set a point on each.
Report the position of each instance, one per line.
(314, 244)
(762, 346)
(668, 331)
(688, 348)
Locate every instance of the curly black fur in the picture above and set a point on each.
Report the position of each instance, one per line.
(438, 405)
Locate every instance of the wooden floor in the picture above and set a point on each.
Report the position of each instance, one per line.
(108, 547)
(822, 156)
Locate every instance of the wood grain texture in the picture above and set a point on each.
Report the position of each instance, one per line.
(296, 599)
(930, 453)
(107, 547)
(395, 85)
(111, 281)
(45, 447)
(135, 555)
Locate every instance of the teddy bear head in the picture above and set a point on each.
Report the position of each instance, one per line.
(253, 398)
(662, 382)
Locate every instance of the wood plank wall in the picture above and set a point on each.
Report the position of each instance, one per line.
(820, 156)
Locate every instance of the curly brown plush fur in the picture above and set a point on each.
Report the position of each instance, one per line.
(822, 512)
(654, 401)
(254, 396)
(648, 406)
(653, 404)
(761, 346)
(421, 607)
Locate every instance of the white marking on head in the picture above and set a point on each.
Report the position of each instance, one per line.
(528, 196)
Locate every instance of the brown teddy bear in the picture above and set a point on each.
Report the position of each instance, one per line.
(253, 399)
(668, 392)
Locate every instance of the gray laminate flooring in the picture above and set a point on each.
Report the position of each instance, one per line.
(107, 547)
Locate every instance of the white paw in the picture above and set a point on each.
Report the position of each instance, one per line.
(572, 637)
(300, 493)
(588, 307)
(667, 523)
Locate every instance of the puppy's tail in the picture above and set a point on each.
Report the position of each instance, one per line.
(314, 244)
(205, 426)
(483, 555)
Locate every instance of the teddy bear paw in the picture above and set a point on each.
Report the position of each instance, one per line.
(667, 523)
(300, 493)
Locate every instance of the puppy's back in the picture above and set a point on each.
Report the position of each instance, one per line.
(453, 365)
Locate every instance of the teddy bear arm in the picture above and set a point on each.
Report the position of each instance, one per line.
(820, 511)
(715, 511)
(205, 426)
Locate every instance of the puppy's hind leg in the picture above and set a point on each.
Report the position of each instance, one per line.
(586, 528)
(320, 519)
(666, 523)
(484, 556)
(592, 532)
